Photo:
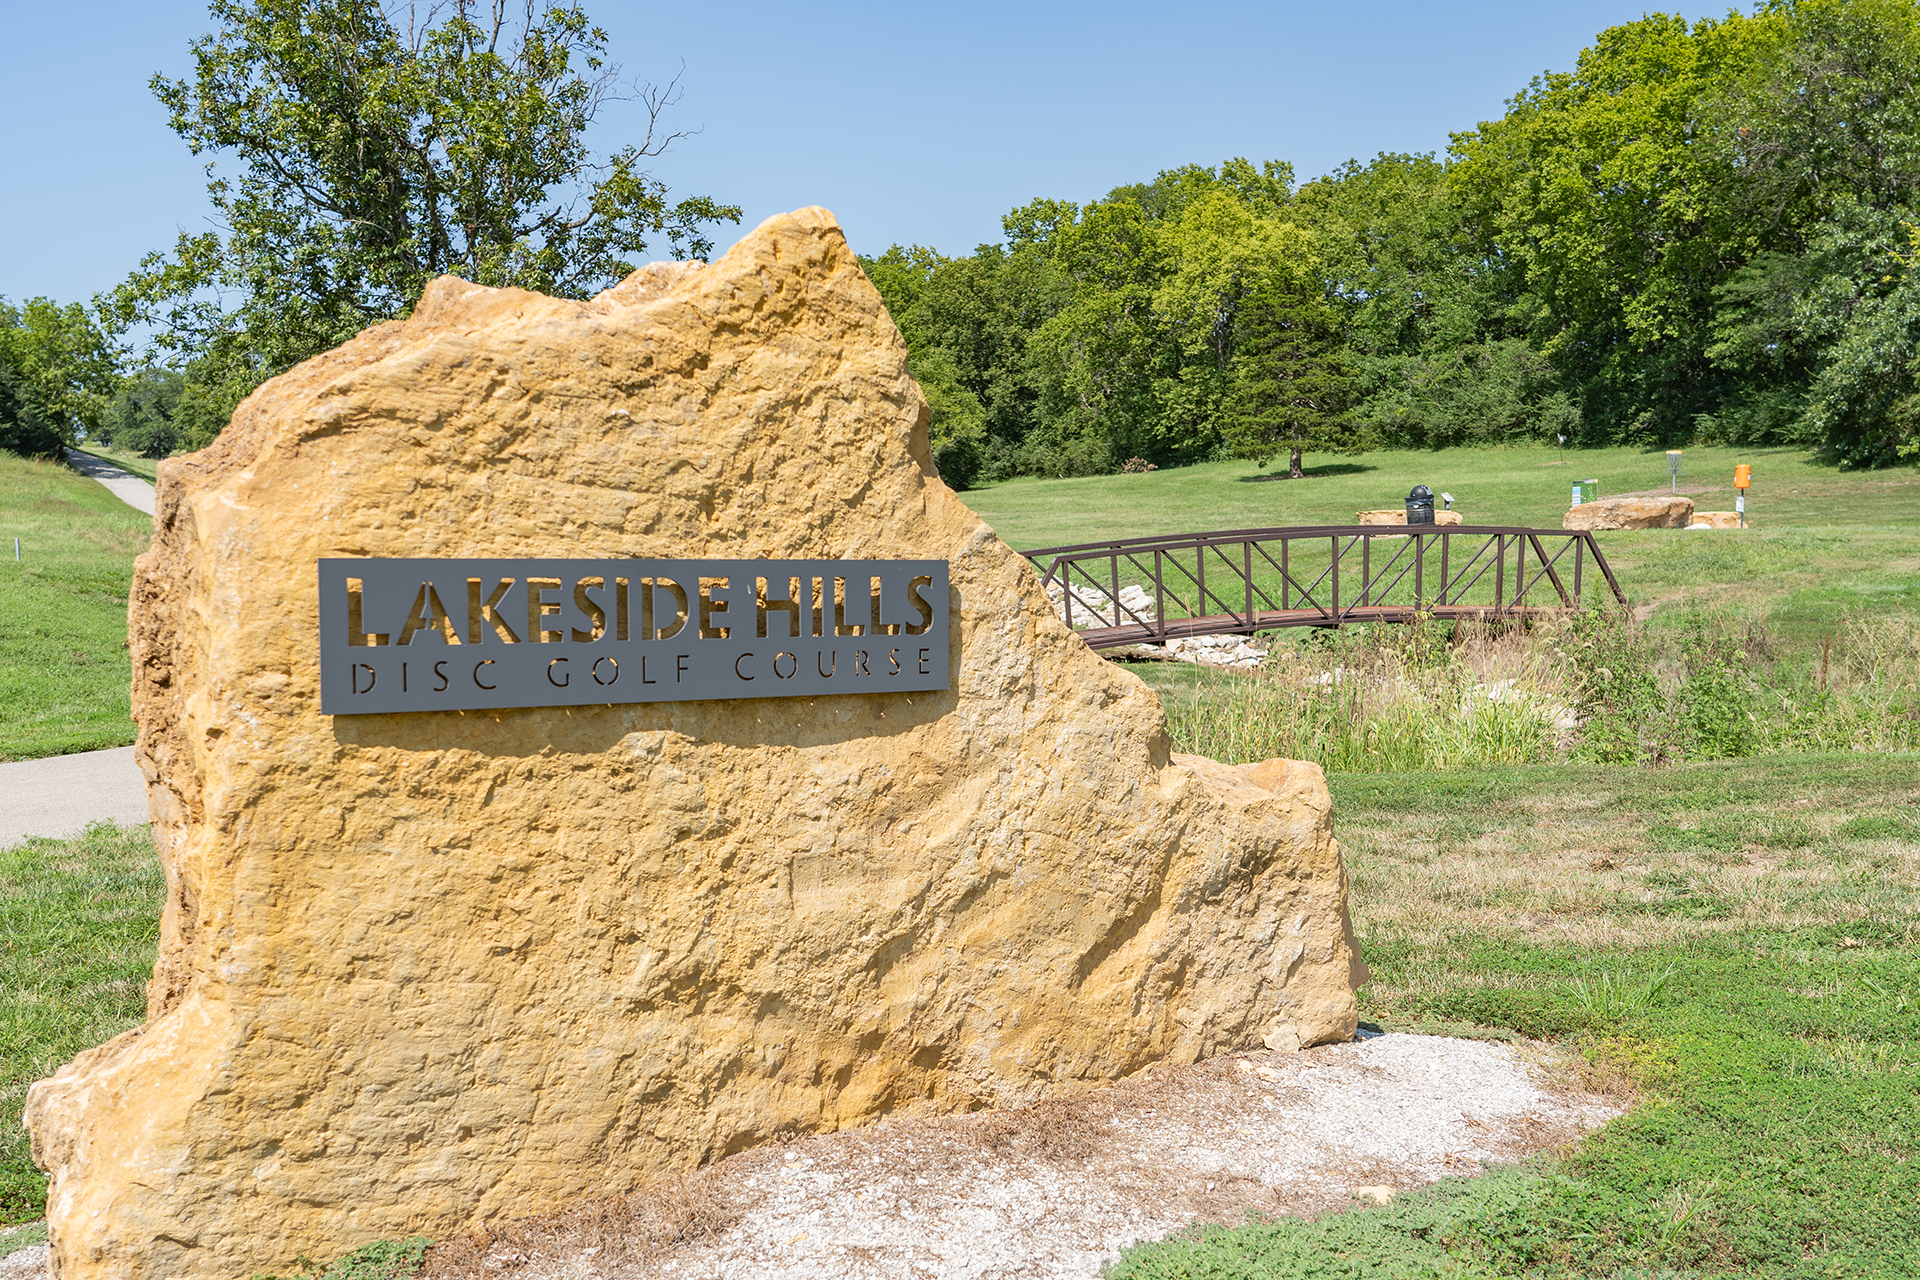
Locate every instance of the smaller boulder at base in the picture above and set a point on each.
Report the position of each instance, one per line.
(1718, 520)
(1400, 517)
(1630, 513)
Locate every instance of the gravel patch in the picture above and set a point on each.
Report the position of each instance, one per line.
(23, 1252)
(1058, 1189)
(29, 1263)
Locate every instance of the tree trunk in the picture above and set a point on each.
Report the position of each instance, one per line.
(1293, 466)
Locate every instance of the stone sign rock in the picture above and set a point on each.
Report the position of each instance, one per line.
(420, 972)
(1638, 512)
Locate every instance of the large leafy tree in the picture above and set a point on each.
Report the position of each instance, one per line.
(959, 425)
(24, 429)
(372, 150)
(1437, 326)
(1825, 148)
(1137, 356)
(63, 370)
(145, 416)
(1604, 184)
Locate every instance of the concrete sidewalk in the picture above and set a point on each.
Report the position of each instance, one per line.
(60, 795)
(124, 485)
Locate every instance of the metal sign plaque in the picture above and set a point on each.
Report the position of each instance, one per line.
(449, 635)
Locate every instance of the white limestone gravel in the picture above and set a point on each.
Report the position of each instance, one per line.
(1059, 1189)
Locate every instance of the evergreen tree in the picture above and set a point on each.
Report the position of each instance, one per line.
(1290, 386)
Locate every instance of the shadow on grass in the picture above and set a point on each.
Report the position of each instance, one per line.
(1312, 473)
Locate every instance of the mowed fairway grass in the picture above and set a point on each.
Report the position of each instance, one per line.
(1823, 541)
(64, 666)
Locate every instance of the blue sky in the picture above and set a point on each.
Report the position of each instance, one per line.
(912, 122)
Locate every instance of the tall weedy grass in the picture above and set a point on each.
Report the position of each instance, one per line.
(1369, 701)
(1862, 694)
(1596, 687)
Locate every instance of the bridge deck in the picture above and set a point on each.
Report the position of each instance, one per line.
(1231, 624)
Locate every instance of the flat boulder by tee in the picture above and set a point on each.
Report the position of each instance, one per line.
(1399, 516)
(1630, 513)
(420, 972)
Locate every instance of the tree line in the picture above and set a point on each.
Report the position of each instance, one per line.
(1703, 232)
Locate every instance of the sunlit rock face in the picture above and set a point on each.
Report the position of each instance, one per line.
(421, 972)
(1630, 513)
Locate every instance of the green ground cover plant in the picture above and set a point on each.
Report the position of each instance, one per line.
(79, 921)
(379, 1260)
(1734, 943)
(64, 667)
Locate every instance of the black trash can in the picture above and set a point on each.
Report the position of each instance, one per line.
(1420, 505)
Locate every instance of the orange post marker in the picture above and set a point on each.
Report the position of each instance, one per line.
(1742, 476)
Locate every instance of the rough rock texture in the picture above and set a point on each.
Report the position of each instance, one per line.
(1716, 520)
(422, 972)
(1630, 513)
(1400, 517)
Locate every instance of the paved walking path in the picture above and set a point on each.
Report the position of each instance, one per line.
(60, 795)
(124, 485)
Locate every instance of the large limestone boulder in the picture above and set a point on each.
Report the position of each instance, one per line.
(1641, 512)
(421, 972)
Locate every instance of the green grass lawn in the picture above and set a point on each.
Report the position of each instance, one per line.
(1525, 486)
(1824, 541)
(79, 921)
(64, 667)
(1734, 940)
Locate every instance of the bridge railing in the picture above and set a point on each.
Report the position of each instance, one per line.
(1240, 581)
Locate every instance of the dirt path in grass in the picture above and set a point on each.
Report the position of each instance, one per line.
(1059, 1189)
